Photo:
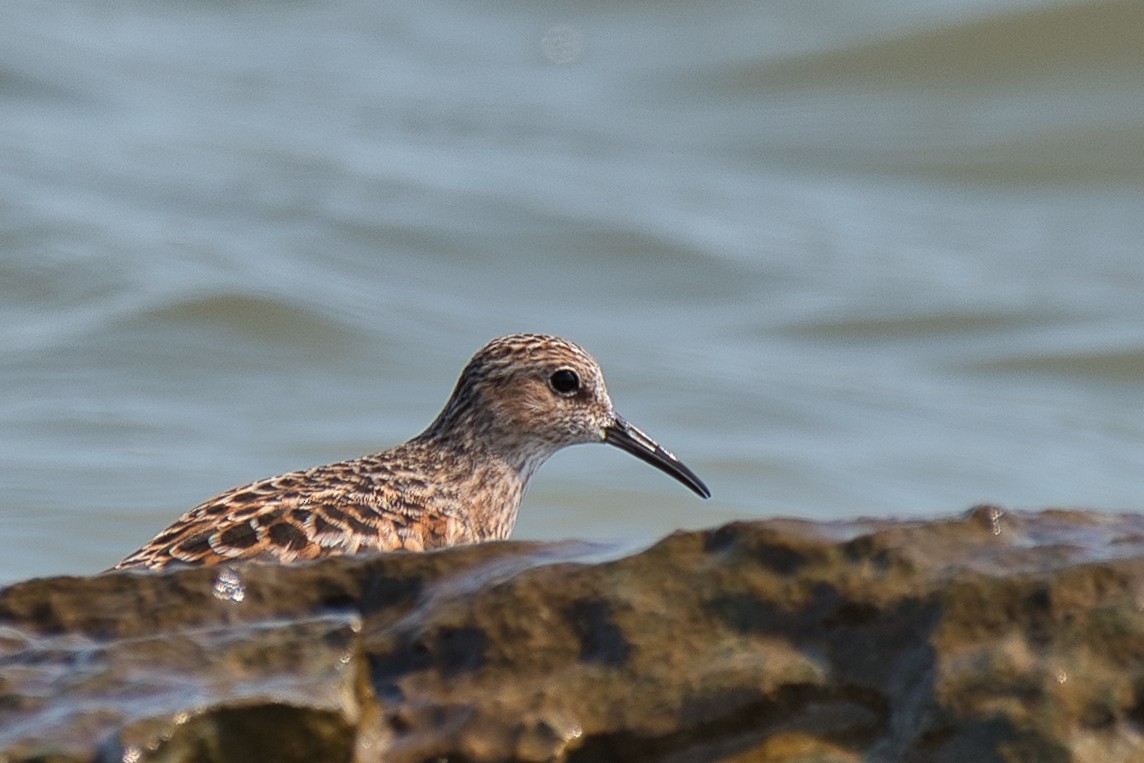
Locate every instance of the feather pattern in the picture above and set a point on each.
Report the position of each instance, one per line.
(460, 481)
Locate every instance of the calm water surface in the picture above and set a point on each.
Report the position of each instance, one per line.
(845, 258)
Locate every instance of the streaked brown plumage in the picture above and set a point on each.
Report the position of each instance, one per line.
(519, 400)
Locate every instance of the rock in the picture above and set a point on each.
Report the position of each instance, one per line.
(992, 637)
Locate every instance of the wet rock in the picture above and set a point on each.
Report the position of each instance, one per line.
(992, 637)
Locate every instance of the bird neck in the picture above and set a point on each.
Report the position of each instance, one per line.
(471, 452)
(476, 486)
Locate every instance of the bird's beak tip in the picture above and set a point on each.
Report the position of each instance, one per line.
(626, 437)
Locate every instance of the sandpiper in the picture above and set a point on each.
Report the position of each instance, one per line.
(519, 400)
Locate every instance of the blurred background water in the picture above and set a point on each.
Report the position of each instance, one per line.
(844, 257)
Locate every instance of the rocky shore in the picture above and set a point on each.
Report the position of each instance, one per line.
(994, 636)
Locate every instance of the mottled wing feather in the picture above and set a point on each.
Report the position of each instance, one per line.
(451, 484)
(303, 515)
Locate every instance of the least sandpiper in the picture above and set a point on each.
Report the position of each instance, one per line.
(519, 400)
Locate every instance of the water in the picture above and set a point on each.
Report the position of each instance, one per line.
(844, 258)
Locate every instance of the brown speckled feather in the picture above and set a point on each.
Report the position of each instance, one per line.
(520, 399)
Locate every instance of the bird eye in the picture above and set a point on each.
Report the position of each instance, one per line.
(565, 381)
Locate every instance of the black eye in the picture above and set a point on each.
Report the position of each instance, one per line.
(565, 381)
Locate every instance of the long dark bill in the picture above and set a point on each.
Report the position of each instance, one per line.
(626, 437)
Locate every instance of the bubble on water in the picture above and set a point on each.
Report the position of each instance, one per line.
(228, 586)
(995, 518)
(562, 44)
